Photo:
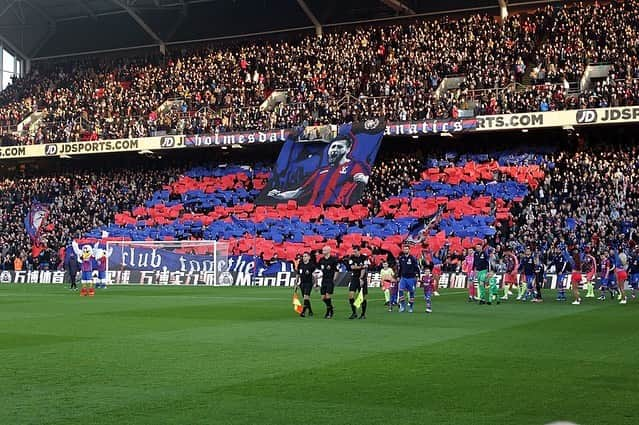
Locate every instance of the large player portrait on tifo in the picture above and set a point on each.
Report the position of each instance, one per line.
(327, 170)
(334, 184)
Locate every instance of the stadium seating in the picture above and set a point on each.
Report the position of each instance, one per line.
(541, 197)
(218, 204)
(504, 197)
(397, 71)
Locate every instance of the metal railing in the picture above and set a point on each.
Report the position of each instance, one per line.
(231, 112)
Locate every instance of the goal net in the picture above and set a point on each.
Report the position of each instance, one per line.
(166, 262)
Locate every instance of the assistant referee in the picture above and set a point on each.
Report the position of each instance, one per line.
(357, 265)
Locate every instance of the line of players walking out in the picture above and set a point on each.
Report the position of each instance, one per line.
(483, 266)
(527, 273)
(399, 285)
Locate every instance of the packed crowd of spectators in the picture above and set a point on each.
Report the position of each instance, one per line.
(78, 201)
(391, 71)
(575, 37)
(393, 172)
(588, 202)
(588, 198)
(16, 103)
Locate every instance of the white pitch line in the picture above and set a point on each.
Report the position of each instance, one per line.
(199, 297)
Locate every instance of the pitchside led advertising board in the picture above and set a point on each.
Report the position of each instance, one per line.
(525, 121)
(226, 278)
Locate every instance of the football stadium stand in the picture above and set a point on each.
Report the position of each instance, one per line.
(554, 58)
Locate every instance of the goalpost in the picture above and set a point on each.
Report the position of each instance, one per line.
(198, 262)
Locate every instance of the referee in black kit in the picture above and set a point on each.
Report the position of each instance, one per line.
(357, 265)
(305, 271)
(328, 266)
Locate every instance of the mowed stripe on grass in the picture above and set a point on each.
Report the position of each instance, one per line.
(156, 355)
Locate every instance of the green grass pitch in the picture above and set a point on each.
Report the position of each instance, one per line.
(177, 355)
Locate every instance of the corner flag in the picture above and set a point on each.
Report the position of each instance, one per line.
(297, 305)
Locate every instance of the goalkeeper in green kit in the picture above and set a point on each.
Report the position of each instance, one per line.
(493, 288)
(481, 267)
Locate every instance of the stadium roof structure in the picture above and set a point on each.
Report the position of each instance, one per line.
(40, 29)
